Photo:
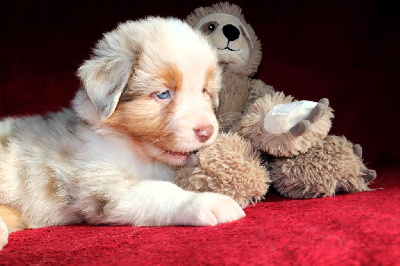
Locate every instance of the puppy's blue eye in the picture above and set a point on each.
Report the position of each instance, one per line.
(163, 95)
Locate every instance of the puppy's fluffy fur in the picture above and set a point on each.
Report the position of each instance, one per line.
(149, 92)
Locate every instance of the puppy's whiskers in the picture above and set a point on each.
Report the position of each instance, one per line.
(166, 149)
(148, 146)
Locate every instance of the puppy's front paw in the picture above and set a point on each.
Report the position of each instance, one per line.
(209, 209)
(3, 234)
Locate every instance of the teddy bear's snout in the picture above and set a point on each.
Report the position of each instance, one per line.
(231, 32)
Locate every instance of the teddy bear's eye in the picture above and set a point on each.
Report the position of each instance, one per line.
(211, 27)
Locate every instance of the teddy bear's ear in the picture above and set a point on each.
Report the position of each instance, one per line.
(219, 8)
(106, 73)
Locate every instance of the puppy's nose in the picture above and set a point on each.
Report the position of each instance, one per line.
(203, 133)
(231, 32)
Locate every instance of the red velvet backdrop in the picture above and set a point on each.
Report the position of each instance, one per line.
(347, 51)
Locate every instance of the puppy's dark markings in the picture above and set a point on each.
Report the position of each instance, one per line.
(52, 184)
(5, 142)
(129, 95)
(84, 122)
(101, 202)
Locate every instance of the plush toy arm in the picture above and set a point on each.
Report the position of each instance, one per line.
(230, 166)
(258, 89)
(282, 127)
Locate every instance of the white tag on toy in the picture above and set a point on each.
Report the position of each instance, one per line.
(282, 117)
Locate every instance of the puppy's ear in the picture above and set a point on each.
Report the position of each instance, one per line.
(107, 72)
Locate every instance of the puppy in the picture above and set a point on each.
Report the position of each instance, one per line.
(149, 91)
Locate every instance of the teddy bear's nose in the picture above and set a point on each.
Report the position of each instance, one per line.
(231, 32)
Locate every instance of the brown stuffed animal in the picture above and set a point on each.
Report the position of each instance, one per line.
(307, 163)
(230, 166)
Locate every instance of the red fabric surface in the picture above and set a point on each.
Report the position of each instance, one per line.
(347, 51)
(348, 229)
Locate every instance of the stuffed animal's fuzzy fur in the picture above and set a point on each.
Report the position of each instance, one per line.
(315, 127)
(229, 166)
(332, 165)
(238, 66)
(147, 103)
(306, 162)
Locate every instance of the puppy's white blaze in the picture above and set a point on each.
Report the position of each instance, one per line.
(191, 113)
(193, 107)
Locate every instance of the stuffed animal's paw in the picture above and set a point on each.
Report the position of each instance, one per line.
(282, 127)
(230, 166)
(193, 160)
(284, 117)
(316, 113)
(333, 165)
(368, 175)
